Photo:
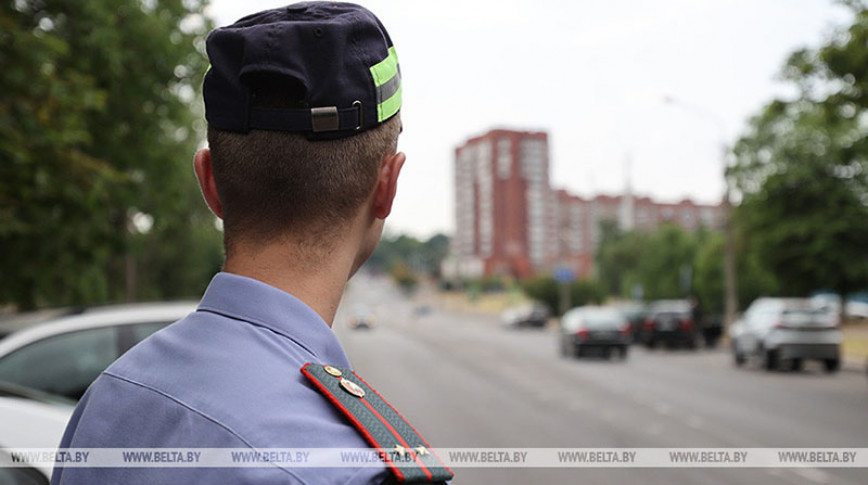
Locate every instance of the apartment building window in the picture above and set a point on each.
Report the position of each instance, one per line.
(504, 158)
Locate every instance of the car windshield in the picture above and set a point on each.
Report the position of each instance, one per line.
(599, 319)
(598, 323)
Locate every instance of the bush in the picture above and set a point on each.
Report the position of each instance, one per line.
(546, 290)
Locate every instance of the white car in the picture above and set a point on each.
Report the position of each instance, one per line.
(30, 419)
(63, 355)
(594, 328)
(789, 330)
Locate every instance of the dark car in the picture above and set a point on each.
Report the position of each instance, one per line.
(590, 329)
(670, 323)
(712, 328)
(635, 314)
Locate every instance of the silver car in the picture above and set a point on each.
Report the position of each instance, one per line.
(527, 315)
(594, 328)
(787, 330)
(63, 355)
(30, 419)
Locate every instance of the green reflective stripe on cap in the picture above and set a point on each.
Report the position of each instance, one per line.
(389, 107)
(387, 80)
(385, 69)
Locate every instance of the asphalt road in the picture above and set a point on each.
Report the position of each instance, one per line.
(464, 382)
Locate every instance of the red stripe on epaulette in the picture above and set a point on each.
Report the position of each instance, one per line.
(346, 412)
(408, 424)
(394, 432)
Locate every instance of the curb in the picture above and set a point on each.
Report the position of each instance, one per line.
(854, 364)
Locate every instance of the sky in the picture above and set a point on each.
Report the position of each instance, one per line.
(595, 75)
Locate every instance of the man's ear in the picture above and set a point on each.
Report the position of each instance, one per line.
(387, 184)
(205, 174)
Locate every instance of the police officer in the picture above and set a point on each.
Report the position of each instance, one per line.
(302, 105)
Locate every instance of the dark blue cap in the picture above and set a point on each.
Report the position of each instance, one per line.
(336, 58)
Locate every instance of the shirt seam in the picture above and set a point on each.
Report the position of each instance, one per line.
(202, 414)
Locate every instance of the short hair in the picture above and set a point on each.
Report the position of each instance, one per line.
(273, 184)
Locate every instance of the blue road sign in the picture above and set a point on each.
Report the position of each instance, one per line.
(564, 275)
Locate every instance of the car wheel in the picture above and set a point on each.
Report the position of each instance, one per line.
(578, 352)
(622, 353)
(796, 365)
(832, 365)
(771, 360)
(652, 343)
(739, 358)
(607, 353)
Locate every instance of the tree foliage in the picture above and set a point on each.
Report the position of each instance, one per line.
(98, 123)
(660, 262)
(754, 280)
(545, 289)
(421, 257)
(802, 169)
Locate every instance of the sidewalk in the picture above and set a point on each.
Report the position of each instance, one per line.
(855, 347)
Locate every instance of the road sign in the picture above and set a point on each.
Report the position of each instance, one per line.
(564, 275)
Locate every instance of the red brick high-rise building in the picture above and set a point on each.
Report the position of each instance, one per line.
(509, 221)
(504, 217)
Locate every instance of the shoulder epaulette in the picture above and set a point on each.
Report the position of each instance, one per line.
(406, 453)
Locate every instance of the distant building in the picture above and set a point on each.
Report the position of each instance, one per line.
(504, 205)
(510, 222)
(579, 219)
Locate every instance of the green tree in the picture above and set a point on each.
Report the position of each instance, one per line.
(617, 257)
(421, 257)
(754, 280)
(98, 122)
(660, 261)
(547, 290)
(665, 269)
(802, 168)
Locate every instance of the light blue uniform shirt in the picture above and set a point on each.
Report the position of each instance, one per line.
(226, 376)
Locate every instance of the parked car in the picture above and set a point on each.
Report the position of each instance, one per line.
(30, 419)
(635, 313)
(62, 355)
(711, 328)
(670, 322)
(778, 330)
(527, 315)
(588, 328)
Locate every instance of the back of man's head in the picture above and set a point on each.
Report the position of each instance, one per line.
(302, 104)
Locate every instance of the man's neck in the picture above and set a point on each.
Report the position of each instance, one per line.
(315, 277)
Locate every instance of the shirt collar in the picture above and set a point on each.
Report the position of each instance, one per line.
(253, 301)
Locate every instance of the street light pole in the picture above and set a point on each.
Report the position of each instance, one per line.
(730, 275)
(730, 272)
